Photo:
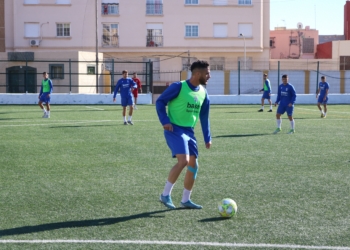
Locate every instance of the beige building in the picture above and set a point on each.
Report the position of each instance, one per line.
(170, 33)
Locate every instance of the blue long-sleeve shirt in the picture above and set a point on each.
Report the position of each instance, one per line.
(171, 93)
(124, 85)
(286, 94)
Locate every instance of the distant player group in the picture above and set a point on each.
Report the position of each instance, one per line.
(180, 107)
(286, 97)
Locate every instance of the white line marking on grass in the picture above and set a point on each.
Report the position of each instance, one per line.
(93, 108)
(191, 243)
(316, 110)
(55, 123)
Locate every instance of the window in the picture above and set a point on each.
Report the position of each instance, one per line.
(154, 7)
(31, 30)
(110, 35)
(191, 2)
(191, 30)
(31, 1)
(110, 7)
(154, 35)
(56, 71)
(63, 29)
(308, 45)
(217, 63)
(245, 2)
(63, 1)
(246, 29)
(91, 70)
(293, 40)
(220, 2)
(220, 30)
(272, 42)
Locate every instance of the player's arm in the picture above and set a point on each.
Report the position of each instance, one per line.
(268, 86)
(170, 93)
(139, 86)
(278, 96)
(318, 91)
(205, 122)
(41, 91)
(51, 87)
(116, 89)
(294, 96)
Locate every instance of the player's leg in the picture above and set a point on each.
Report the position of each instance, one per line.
(280, 111)
(48, 108)
(131, 109)
(124, 113)
(291, 119)
(262, 105)
(178, 144)
(40, 103)
(325, 109)
(270, 102)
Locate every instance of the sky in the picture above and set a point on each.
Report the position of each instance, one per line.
(327, 16)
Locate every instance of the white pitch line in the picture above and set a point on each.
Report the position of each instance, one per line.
(48, 124)
(93, 108)
(316, 110)
(190, 243)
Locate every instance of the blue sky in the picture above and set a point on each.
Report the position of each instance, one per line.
(327, 16)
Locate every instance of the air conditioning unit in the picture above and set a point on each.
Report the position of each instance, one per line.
(34, 42)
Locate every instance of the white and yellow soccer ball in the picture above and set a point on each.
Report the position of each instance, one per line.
(227, 208)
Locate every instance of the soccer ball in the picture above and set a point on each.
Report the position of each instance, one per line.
(227, 208)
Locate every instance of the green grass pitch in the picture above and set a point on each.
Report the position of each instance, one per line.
(83, 175)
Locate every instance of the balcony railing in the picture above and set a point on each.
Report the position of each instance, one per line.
(110, 9)
(110, 41)
(154, 9)
(154, 41)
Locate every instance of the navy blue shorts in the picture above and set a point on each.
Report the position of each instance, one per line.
(285, 108)
(127, 101)
(320, 100)
(180, 141)
(45, 97)
(266, 95)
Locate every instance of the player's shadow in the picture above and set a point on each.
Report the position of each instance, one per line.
(77, 224)
(237, 136)
(214, 219)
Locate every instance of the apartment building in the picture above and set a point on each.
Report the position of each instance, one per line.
(171, 33)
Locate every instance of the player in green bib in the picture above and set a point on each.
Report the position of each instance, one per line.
(45, 94)
(187, 103)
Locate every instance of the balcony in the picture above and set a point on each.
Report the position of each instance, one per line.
(154, 41)
(154, 9)
(110, 41)
(110, 9)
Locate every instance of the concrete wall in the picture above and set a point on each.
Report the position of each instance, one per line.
(101, 99)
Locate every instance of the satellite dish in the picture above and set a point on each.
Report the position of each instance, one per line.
(299, 25)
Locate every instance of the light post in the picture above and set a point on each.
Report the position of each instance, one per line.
(245, 57)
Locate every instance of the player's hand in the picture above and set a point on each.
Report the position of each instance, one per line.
(290, 105)
(48, 95)
(113, 99)
(208, 144)
(325, 98)
(168, 127)
(275, 104)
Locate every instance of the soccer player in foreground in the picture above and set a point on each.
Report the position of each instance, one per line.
(286, 98)
(187, 103)
(323, 88)
(125, 84)
(266, 95)
(45, 94)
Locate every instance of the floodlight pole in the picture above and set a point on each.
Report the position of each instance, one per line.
(96, 27)
(245, 57)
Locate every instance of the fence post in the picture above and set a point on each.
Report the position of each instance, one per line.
(317, 74)
(25, 77)
(112, 78)
(70, 76)
(278, 75)
(239, 77)
(151, 74)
